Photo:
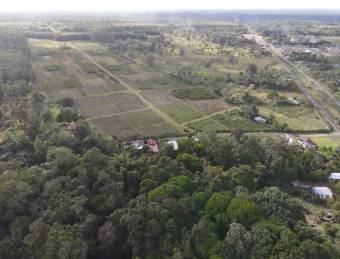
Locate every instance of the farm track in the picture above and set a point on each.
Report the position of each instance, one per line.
(299, 76)
(131, 90)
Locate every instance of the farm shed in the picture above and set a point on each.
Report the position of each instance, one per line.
(334, 176)
(260, 120)
(323, 192)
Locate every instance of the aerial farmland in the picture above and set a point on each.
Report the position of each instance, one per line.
(162, 79)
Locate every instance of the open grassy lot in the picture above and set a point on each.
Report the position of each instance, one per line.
(97, 106)
(327, 141)
(139, 123)
(297, 118)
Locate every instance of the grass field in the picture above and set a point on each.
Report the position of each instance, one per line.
(179, 112)
(327, 142)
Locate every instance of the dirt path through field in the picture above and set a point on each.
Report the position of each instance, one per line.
(152, 107)
(298, 75)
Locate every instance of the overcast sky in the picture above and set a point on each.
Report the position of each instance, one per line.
(144, 5)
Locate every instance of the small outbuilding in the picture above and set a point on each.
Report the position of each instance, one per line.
(323, 192)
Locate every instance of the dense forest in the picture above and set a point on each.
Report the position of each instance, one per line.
(72, 192)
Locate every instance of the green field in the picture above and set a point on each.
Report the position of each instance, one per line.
(326, 142)
(297, 118)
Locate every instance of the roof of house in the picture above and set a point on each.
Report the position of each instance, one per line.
(323, 192)
(153, 145)
(173, 143)
(260, 119)
(334, 176)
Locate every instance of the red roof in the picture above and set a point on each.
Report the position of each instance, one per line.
(153, 145)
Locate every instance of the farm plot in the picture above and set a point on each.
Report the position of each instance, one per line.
(153, 81)
(233, 120)
(133, 124)
(91, 48)
(208, 125)
(48, 47)
(98, 106)
(175, 108)
(297, 118)
(206, 107)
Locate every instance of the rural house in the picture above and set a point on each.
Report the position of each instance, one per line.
(323, 192)
(153, 145)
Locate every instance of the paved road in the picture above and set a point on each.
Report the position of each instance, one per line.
(296, 74)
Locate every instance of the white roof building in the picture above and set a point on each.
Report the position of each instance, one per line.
(291, 100)
(334, 176)
(323, 192)
(137, 144)
(260, 120)
(173, 143)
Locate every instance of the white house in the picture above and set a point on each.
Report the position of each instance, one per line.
(323, 192)
(334, 176)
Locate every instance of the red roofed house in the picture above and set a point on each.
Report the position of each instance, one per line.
(153, 145)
